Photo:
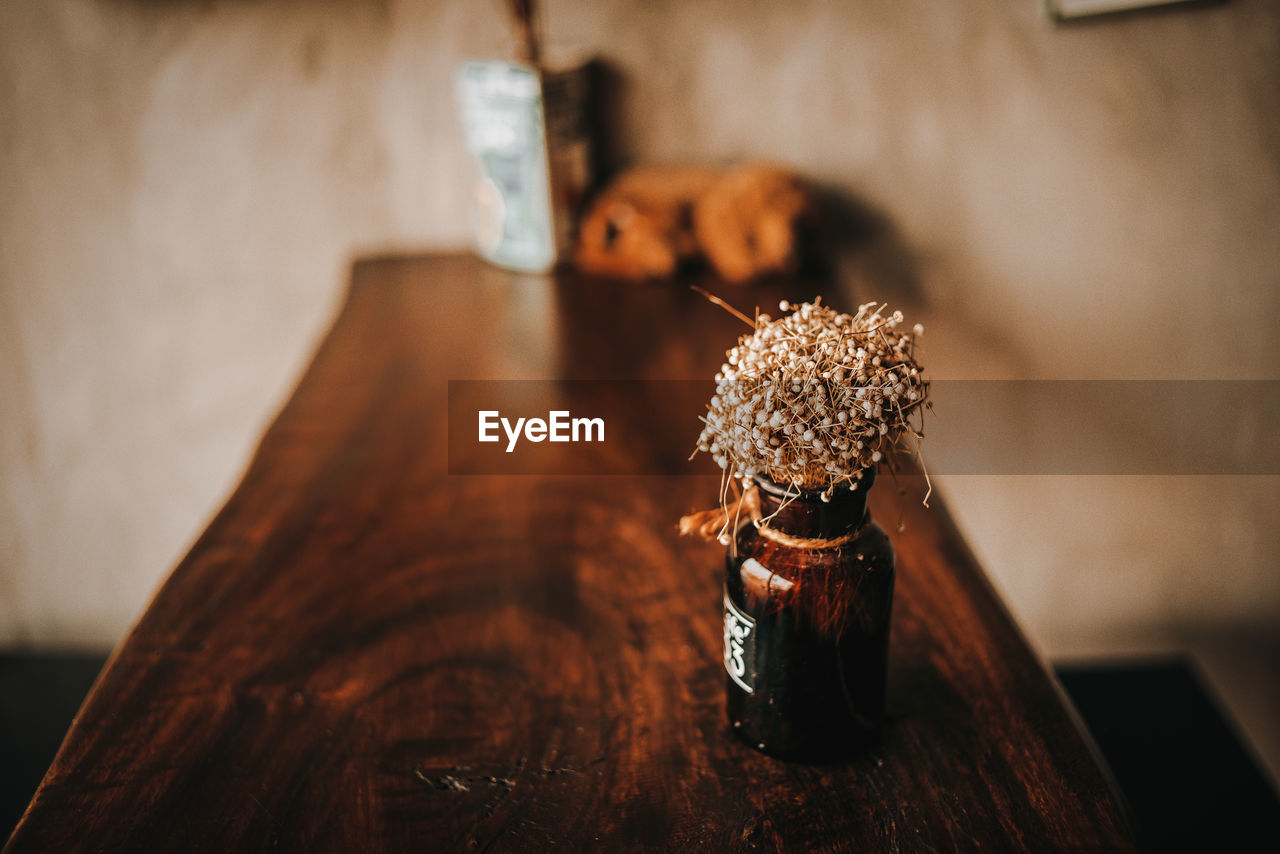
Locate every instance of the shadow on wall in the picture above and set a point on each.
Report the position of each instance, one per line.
(873, 260)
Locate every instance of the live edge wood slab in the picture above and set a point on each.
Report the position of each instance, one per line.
(364, 652)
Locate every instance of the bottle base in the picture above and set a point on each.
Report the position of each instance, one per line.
(815, 749)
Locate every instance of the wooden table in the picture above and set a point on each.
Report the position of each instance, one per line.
(364, 652)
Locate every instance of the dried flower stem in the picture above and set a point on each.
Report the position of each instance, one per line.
(715, 299)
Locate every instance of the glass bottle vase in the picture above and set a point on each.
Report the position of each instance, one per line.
(807, 602)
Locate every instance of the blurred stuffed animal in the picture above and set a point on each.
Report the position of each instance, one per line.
(744, 223)
(641, 225)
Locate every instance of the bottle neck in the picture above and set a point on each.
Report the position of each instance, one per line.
(807, 515)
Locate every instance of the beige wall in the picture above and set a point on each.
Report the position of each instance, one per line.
(181, 185)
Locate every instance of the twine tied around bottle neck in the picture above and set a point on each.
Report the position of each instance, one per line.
(719, 523)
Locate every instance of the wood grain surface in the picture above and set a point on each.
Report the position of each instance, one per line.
(365, 653)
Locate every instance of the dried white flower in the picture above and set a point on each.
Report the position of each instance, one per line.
(799, 394)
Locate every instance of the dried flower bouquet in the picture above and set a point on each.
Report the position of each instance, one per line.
(815, 397)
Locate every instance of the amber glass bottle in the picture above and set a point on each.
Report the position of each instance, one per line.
(807, 604)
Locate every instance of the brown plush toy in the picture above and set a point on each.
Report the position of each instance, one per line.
(641, 225)
(747, 222)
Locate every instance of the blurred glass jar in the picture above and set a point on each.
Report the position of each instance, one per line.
(526, 132)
